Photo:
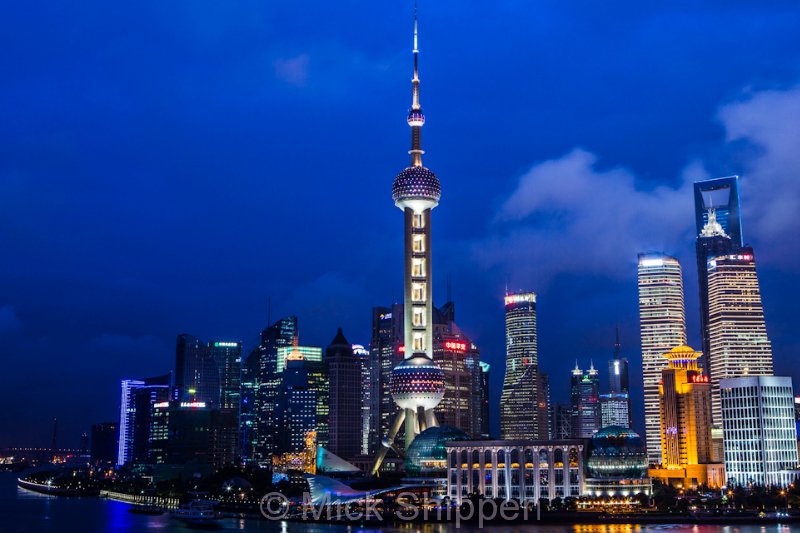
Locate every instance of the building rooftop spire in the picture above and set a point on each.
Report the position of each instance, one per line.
(415, 116)
(712, 227)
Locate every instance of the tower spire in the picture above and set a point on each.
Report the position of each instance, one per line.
(415, 116)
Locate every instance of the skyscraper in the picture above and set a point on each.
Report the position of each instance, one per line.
(738, 340)
(619, 390)
(417, 384)
(363, 357)
(137, 399)
(344, 378)
(759, 433)
(261, 380)
(228, 357)
(459, 359)
(519, 399)
(196, 374)
(486, 369)
(296, 408)
(585, 402)
(105, 443)
(722, 196)
(384, 353)
(685, 406)
(662, 326)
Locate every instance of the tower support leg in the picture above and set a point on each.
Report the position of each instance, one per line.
(388, 441)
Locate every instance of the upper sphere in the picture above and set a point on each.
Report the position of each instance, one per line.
(417, 382)
(416, 187)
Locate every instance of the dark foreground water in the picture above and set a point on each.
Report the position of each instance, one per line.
(22, 511)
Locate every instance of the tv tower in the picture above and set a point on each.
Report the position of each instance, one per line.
(417, 384)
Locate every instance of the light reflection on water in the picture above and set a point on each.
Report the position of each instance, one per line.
(22, 511)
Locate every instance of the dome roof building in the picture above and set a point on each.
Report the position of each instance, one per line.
(427, 455)
(617, 464)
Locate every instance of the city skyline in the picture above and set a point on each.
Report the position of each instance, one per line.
(93, 298)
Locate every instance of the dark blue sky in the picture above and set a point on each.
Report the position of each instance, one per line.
(165, 167)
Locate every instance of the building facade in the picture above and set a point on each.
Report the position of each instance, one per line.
(687, 454)
(738, 340)
(197, 377)
(519, 398)
(760, 438)
(662, 326)
(344, 379)
(515, 469)
(614, 409)
(585, 402)
(137, 398)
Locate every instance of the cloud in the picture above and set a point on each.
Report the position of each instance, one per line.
(293, 70)
(8, 319)
(767, 120)
(566, 215)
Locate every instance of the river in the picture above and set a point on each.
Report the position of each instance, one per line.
(22, 511)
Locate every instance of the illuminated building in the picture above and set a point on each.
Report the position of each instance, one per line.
(718, 225)
(662, 326)
(188, 433)
(225, 432)
(363, 357)
(614, 409)
(308, 353)
(344, 378)
(459, 359)
(759, 432)
(618, 384)
(104, 443)
(384, 355)
(296, 407)
(519, 401)
(228, 357)
(585, 402)
(515, 469)
(137, 397)
(738, 340)
(158, 439)
(617, 464)
(485, 420)
(687, 454)
(197, 377)
(260, 383)
(417, 384)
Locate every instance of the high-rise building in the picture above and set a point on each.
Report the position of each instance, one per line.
(585, 402)
(619, 390)
(459, 359)
(417, 384)
(662, 326)
(738, 340)
(307, 353)
(543, 406)
(137, 399)
(261, 380)
(197, 377)
(363, 357)
(485, 410)
(519, 399)
(104, 443)
(296, 407)
(759, 433)
(228, 357)
(384, 353)
(226, 422)
(344, 378)
(614, 409)
(685, 417)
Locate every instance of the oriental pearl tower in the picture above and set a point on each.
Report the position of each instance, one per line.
(417, 384)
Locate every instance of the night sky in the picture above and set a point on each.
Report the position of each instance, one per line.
(166, 167)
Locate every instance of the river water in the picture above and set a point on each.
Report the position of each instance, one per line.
(22, 511)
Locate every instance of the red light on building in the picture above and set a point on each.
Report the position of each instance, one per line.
(455, 346)
(699, 379)
(401, 349)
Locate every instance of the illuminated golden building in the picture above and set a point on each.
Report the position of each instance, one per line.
(687, 456)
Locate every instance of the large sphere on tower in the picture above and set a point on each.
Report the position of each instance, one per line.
(417, 188)
(417, 382)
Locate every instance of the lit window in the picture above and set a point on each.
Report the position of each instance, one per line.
(419, 342)
(419, 243)
(419, 316)
(418, 268)
(419, 220)
(418, 292)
